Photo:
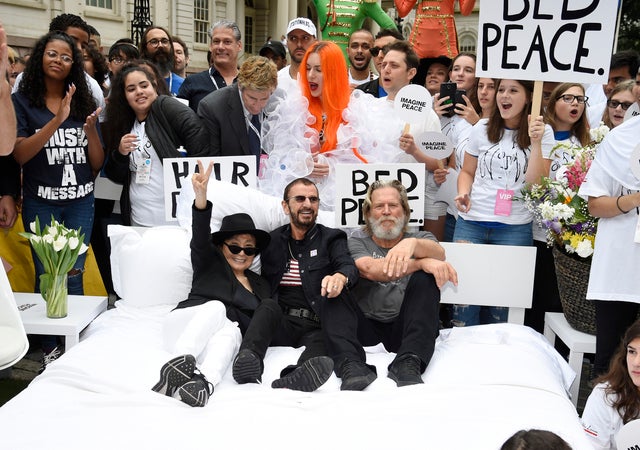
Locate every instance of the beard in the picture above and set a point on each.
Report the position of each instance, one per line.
(303, 223)
(163, 59)
(387, 233)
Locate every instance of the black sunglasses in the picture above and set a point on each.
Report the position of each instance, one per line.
(375, 50)
(235, 249)
(301, 198)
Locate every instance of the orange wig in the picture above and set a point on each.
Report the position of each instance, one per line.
(335, 90)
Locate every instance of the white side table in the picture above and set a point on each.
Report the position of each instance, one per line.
(82, 310)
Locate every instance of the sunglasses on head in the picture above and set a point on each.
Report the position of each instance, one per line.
(235, 249)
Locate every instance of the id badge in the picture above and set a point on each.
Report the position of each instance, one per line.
(504, 199)
(263, 165)
(143, 171)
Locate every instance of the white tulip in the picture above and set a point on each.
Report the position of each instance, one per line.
(32, 226)
(73, 242)
(83, 249)
(59, 243)
(48, 239)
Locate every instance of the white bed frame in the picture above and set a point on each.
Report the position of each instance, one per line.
(483, 384)
(491, 275)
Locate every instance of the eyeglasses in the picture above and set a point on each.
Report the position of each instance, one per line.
(613, 104)
(302, 39)
(117, 60)
(569, 98)
(66, 59)
(157, 42)
(301, 199)
(235, 249)
(375, 50)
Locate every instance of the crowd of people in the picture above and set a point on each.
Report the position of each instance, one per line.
(75, 113)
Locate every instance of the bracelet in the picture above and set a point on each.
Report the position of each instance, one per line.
(618, 205)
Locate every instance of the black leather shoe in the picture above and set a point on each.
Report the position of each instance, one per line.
(406, 370)
(247, 367)
(312, 374)
(356, 376)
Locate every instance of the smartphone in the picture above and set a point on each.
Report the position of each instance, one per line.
(448, 90)
(458, 98)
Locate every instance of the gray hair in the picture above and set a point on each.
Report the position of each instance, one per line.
(226, 24)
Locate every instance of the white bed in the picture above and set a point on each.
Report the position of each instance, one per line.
(483, 384)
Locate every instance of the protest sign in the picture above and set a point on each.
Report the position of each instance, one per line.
(353, 180)
(434, 144)
(240, 170)
(565, 41)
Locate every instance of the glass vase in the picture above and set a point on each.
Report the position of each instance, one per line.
(53, 288)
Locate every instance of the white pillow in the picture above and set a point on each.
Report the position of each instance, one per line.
(150, 266)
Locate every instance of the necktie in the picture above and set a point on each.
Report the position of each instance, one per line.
(254, 136)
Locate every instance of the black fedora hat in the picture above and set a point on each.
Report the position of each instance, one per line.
(240, 223)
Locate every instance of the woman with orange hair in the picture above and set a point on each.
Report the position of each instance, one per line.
(301, 136)
(328, 96)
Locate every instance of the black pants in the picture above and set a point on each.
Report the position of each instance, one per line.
(612, 320)
(545, 289)
(415, 329)
(336, 337)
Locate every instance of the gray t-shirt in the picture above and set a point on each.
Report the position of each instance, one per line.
(380, 300)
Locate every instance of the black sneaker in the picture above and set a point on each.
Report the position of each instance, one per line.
(196, 391)
(356, 376)
(312, 374)
(247, 367)
(48, 358)
(406, 370)
(174, 374)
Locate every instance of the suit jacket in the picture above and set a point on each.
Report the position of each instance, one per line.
(223, 117)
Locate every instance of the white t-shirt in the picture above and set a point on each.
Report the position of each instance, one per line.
(458, 130)
(616, 258)
(285, 82)
(353, 82)
(500, 166)
(601, 422)
(147, 199)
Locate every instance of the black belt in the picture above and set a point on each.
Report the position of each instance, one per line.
(302, 313)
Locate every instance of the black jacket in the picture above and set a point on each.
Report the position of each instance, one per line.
(370, 87)
(213, 278)
(325, 252)
(169, 125)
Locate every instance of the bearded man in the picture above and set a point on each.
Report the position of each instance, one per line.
(401, 274)
(156, 46)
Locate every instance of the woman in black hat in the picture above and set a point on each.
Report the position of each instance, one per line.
(222, 282)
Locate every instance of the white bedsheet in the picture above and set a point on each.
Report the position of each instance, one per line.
(483, 384)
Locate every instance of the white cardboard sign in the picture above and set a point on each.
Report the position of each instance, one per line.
(435, 144)
(566, 41)
(353, 180)
(412, 102)
(240, 170)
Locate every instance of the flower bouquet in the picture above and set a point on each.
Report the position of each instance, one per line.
(57, 248)
(570, 228)
(557, 207)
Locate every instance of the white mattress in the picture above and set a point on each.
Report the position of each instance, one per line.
(483, 384)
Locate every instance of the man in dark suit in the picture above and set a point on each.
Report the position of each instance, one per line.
(233, 115)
